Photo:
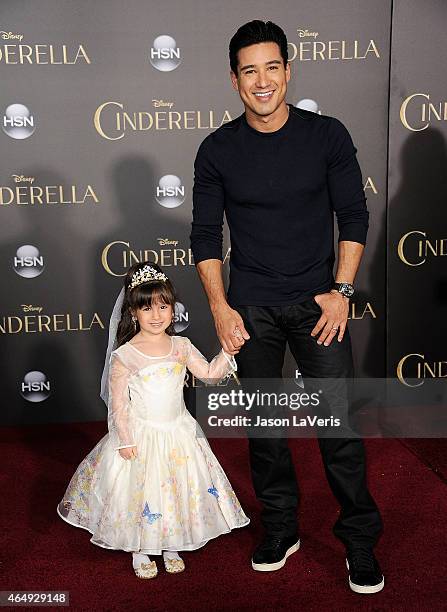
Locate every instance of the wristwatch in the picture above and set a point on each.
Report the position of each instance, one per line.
(345, 289)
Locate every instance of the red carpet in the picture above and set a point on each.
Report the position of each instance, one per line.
(41, 552)
(432, 451)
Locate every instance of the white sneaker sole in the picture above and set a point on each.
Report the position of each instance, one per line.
(358, 588)
(272, 567)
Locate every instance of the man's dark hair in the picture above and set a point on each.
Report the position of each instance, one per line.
(255, 32)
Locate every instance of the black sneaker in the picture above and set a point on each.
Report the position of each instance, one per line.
(365, 575)
(273, 551)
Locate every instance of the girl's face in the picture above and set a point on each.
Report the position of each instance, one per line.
(154, 319)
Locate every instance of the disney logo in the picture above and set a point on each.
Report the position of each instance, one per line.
(160, 103)
(166, 242)
(10, 35)
(31, 308)
(19, 178)
(307, 34)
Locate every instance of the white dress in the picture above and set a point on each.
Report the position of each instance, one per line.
(174, 495)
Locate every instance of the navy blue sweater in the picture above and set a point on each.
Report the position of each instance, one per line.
(279, 192)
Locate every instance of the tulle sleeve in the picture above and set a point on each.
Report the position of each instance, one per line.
(119, 408)
(220, 367)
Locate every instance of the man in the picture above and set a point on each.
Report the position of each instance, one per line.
(279, 173)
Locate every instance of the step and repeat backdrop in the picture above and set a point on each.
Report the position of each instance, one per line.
(417, 194)
(103, 107)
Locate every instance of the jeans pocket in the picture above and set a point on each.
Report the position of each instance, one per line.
(315, 303)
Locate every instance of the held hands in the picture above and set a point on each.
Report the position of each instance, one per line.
(128, 453)
(334, 316)
(230, 329)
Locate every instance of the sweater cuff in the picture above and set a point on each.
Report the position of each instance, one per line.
(354, 233)
(203, 252)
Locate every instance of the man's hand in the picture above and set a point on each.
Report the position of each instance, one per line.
(230, 329)
(128, 453)
(334, 317)
(229, 324)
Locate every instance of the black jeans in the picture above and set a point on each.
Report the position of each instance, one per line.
(273, 473)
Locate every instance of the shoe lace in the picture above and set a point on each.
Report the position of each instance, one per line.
(362, 560)
(272, 543)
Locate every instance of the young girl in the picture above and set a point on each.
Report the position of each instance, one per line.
(152, 485)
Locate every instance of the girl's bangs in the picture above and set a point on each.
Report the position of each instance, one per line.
(149, 293)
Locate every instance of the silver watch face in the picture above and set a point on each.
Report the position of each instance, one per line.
(346, 289)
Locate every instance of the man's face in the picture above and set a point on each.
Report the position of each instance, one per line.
(261, 78)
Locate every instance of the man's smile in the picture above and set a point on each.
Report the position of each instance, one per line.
(264, 95)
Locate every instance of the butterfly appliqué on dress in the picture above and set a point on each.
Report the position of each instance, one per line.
(151, 516)
(213, 491)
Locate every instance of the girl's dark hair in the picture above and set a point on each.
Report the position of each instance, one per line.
(143, 295)
(255, 32)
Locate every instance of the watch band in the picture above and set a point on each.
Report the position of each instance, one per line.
(345, 289)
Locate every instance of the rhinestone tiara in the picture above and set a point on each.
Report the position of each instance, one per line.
(145, 275)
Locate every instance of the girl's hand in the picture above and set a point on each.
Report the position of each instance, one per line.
(128, 453)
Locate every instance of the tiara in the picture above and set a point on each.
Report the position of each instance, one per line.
(145, 275)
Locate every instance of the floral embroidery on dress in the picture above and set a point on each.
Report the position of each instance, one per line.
(172, 520)
(176, 459)
(163, 372)
(77, 495)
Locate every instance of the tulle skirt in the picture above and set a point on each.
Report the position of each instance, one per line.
(173, 496)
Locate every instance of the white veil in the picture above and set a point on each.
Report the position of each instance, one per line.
(112, 345)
